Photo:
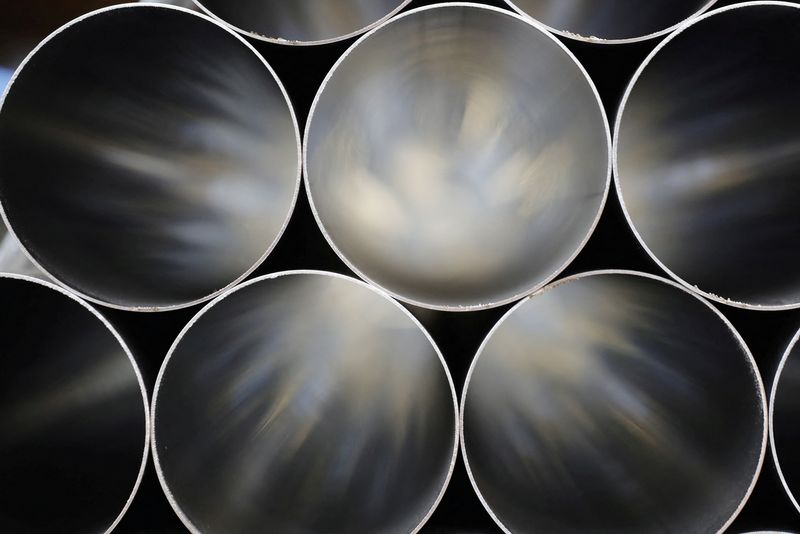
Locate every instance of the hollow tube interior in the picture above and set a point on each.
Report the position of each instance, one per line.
(301, 21)
(613, 403)
(610, 20)
(304, 403)
(785, 417)
(147, 172)
(72, 415)
(708, 155)
(457, 157)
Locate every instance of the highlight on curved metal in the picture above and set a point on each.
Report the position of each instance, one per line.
(302, 22)
(12, 259)
(304, 402)
(147, 174)
(613, 401)
(707, 151)
(457, 156)
(611, 21)
(784, 413)
(74, 414)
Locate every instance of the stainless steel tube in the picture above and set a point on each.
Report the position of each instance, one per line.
(614, 401)
(457, 156)
(73, 412)
(707, 155)
(147, 173)
(304, 402)
(302, 22)
(611, 21)
(784, 417)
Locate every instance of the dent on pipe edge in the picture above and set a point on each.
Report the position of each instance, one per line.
(302, 22)
(613, 401)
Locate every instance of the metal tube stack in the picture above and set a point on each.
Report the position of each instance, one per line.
(457, 157)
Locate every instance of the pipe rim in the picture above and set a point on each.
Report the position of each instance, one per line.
(628, 40)
(762, 395)
(316, 42)
(615, 157)
(297, 181)
(495, 302)
(142, 387)
(773, 395)
(173, 502)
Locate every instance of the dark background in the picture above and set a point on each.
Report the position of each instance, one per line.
(613, 245)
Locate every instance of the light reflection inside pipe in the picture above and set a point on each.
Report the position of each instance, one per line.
(147, 173)
(457, 157)
(301, 404)
(709, 153)
(613, 403)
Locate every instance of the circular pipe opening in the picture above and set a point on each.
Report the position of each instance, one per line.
(613, 402)
(457, 156)
(707, 155)
(302, 22)
(784, 415)
(147, 174)
(73, 410)
(611, 21)
(304, 402)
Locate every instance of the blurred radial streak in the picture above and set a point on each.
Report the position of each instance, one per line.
(613, 402)
(458, 157)
(304, 402)
(74, 414)
(708, 155)
(147, 174)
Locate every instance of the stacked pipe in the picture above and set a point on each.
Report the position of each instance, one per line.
(397, 300)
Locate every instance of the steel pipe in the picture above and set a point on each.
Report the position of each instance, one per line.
(707, 151)
(302, 22)
(304, 402)
(458, 156)
(784, 417)
(73, 412)
(147, 174)
(611, 21)
(614, 401)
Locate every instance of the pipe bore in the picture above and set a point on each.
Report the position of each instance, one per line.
(707, 149)
(304, 402)
(457, 156)
(611, 21)
(613, 401)
(302, 22)
(73, 410)
(784, 415)
(147, 174)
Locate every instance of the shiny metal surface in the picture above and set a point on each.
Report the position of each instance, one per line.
(12, 259)
(708, 153)
(784, 418)
(304, 402)
(147, 174)
(614, 402)
(302, 22)
(611, 21)
(457, 156)
(73, 412)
